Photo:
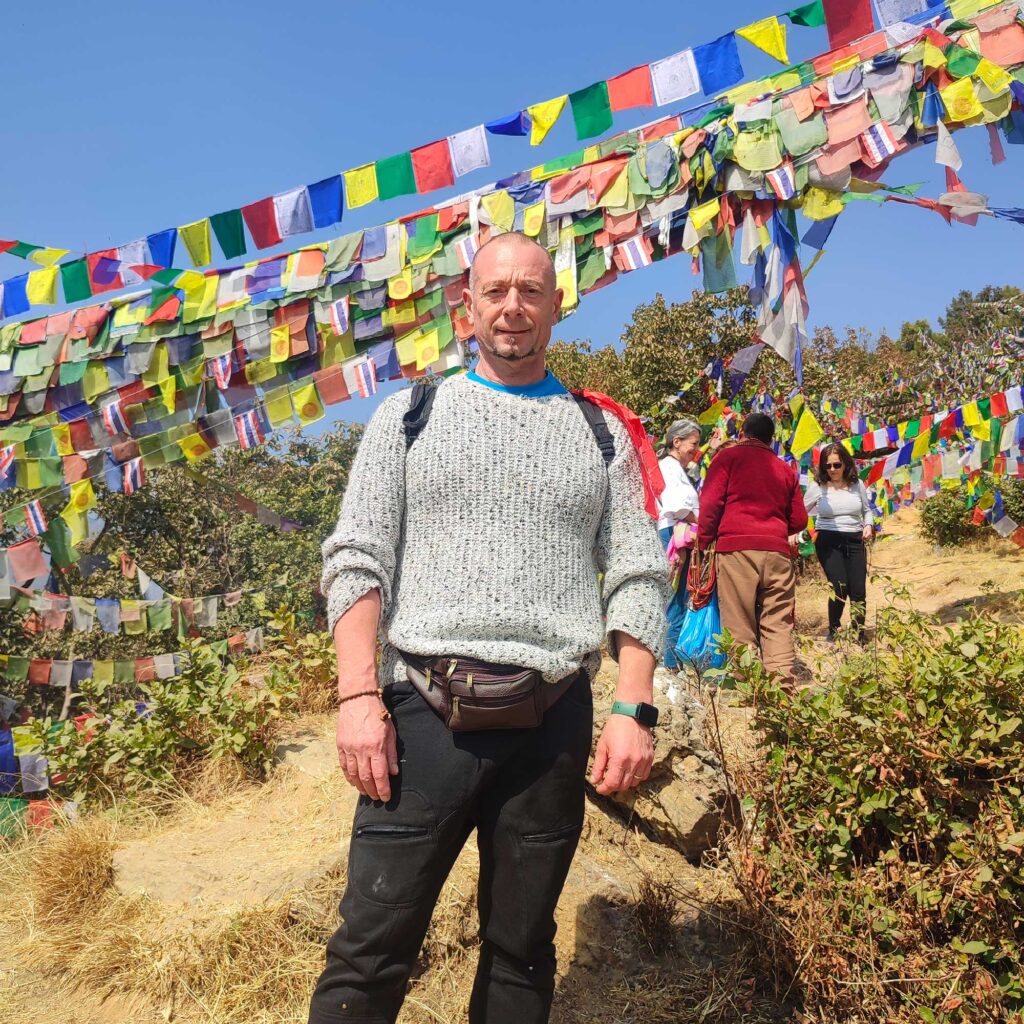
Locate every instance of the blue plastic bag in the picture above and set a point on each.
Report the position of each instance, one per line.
(696, 645)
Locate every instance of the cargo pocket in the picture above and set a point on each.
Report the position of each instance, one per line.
(393, 854)
(544, 861)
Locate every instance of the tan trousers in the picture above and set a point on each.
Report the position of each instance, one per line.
(757, 601)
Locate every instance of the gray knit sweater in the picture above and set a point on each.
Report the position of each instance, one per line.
(486, 541)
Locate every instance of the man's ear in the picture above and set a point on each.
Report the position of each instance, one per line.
(556, 314)
(467, 301)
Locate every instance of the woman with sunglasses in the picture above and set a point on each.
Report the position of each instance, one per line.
(839, 501)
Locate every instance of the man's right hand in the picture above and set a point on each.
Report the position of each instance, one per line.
(367, 747)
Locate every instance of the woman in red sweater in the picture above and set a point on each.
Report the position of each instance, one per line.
(750, 507)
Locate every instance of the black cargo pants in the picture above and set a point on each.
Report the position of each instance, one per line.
(523, 790)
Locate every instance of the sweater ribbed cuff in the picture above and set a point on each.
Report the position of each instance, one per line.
(637, 608)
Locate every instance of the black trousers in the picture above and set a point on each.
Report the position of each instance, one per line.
(844, 558)
(523, 790)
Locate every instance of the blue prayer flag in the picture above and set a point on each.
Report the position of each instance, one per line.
(161, 247)
(326, 201)
(515, 124)
(15, 296)
(719, 64)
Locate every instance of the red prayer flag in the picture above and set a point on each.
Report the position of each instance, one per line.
(432, 166)
(261, 221)
(631, 89)
(847, 20)
(39, 671)
(661, 129)
(25, 561)
(330, 383)
(1018, 536)
(999, 407)
(106, 281)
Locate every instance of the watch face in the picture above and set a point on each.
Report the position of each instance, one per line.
(647, 714)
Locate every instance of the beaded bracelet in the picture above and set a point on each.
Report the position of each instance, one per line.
(378, 693)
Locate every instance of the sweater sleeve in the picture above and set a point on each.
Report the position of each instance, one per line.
(865, 504)
(797, 512)
(712, 503)
(361, 554)
(629, 554)
(811, 497)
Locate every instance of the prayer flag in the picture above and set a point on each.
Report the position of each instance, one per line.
(103, 276)
(292, 212)
(227, 226)
(769, 35)
(307, 404)
(432, 166)
(196, 237)
(261, 220)
(395, 176)
(718, 64)
(74, 279)
(41, 288)
(325, 201)
(466, 249)
(783, 180)
(134, 475)
(194, 447)
(222, 371)
(337, 312)
(247, 427)
(6, 460)
(361, 185)
(517, 124)
(878, 143)
(83, 497)
(631, 89)
(114, 420)
(366, 377)
(591, 110)
(46, 257)
(674, 78)
(469, 150)
(847, 20)
(543, 117)
(35, 519)
(809, 15)
(633, 254)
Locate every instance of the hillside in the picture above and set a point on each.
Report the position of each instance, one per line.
(214, 906)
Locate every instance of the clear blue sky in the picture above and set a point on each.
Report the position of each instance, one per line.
(124, 118)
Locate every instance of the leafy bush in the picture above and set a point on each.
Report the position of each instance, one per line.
(304, 664)
(207, 712)
(1013, 498)
(946, 520)
(884, 833)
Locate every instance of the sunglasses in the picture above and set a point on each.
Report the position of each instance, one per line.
(833, 465)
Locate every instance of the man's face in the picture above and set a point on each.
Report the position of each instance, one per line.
(514, 302)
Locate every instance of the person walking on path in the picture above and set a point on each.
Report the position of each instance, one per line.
(751, 508)
(840, 503)
(472, 544)
(678, 504)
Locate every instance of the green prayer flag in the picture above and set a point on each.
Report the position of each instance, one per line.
(961, 62)
(591, 110)
(563, 163)
(425, 239)
(17, 668)
(12, 816)
(588, 224)
(74, 278)
(58, 540)
(227, 226)
(810, 15)
(124, 672)
(985, 408)
(23, 249)
(395, 176)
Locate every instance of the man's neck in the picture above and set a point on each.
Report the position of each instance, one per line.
(512, 375)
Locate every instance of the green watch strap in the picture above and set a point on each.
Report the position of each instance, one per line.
(622, 708)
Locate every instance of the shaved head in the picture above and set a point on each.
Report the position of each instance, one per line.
(509, 238)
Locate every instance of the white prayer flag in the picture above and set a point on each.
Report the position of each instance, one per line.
(675, 78)
(292, 212)
(469, 150)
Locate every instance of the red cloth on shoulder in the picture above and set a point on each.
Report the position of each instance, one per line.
(654, 482)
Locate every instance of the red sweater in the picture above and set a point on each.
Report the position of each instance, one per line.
(751, 501)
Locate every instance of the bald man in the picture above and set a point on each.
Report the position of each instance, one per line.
(478, 548)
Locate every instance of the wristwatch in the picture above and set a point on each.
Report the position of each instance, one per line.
(645, 714)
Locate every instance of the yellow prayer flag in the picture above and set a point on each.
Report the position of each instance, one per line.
(533, 219)
(46, 257)
(200, 297)
(279, 406)
(786, 80)
(961, 100)
(566, 280)
(617, 193)
(62, 439)
(168, 391)
(83, 497)
(194, 448)
(77, 523)
(405, 349)
(500, 208)
(41, 287)
(768, 34)
(846, 64)
(932, 56)
(196, 237)
(972, 416)
(308, 406)
(748, 90)
(705, 213)
(543, 116)
(260, 371)
(361, 185)
(921, 445)
(427, 350)
(400, 286)
(280, 343)
(159, 367)
(993, 75)
(96, 380)
(711, 414)
(982, 430)
(965, 8)
(396, 316)
(821, 204)
(807, 434)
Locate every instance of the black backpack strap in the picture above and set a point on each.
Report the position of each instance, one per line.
(415, 419)
(594, 416)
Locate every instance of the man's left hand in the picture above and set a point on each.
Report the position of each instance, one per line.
(625, 753)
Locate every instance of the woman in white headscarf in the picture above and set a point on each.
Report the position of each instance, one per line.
(677, 506)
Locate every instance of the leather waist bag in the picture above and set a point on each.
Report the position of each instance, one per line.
(470, 695)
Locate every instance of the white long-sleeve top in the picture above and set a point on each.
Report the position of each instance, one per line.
(679, 497)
